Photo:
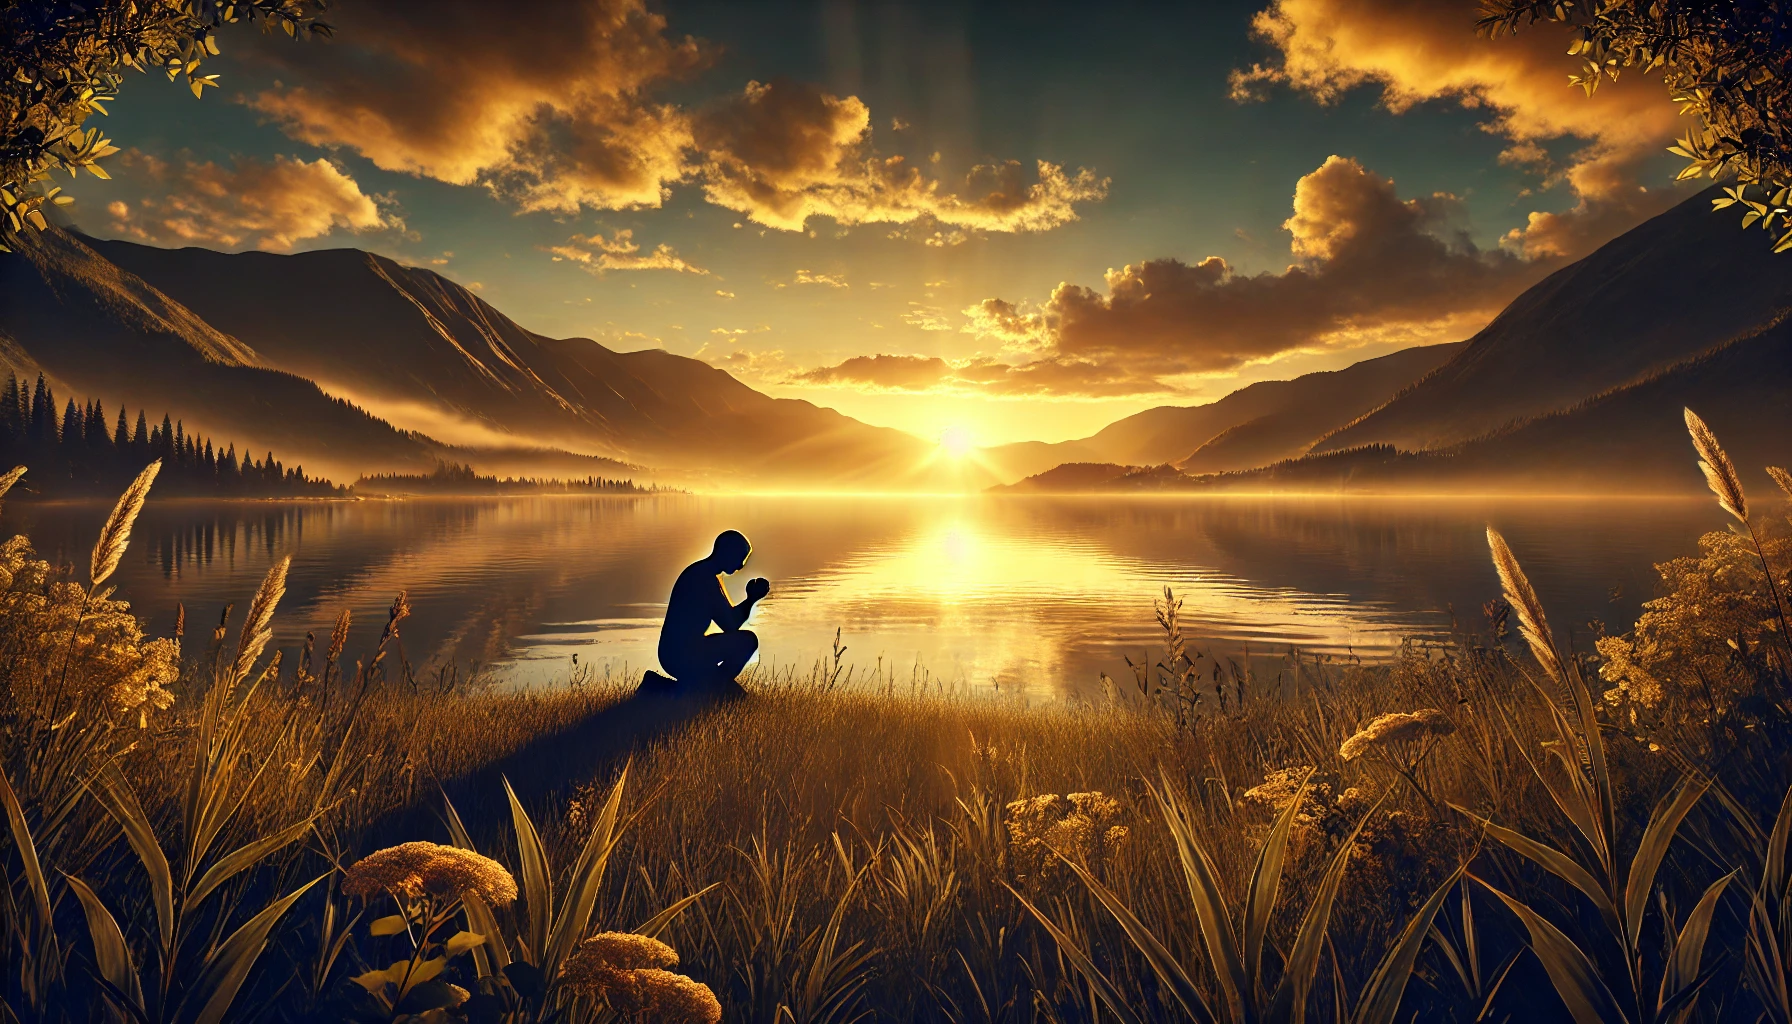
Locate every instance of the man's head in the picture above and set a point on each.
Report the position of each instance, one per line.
(731, 551)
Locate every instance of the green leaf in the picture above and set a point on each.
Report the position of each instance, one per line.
(390, 925)
(658, 922)
(480, 919)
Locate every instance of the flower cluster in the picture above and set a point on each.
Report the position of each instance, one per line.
(1697, 641)
(1082, 827)
(413, 870)
(1396, 729)
(629, 972)
(99, 639)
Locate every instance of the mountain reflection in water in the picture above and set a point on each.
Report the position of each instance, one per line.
(1035, 594)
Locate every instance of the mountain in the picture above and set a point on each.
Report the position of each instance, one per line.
(1630, 439)
(289, 351)
(1667, 290)
(1252, 426)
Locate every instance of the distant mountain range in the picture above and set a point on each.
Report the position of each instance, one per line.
(1253, 426)
(352, 365)
(289, 352)
(1577, 385)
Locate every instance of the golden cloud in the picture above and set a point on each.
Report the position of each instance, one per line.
(556, 111)
(781, 152)
(597, 254)
(550, 110)
(271, 205)
(1416, 52)
(1372, 267)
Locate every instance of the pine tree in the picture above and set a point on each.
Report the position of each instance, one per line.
(121, 437)
(140, 436)
(165, 447)
(12, 425)
(41, 420)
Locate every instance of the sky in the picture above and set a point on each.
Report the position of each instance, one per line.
(988, 222)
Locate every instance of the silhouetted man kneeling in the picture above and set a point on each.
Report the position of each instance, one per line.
(696, 658)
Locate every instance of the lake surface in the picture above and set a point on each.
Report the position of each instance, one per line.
(1026, 593)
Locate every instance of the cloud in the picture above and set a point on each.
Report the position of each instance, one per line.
(812, 277)
(620, 252)
(271, 205)
(927, 318)
(1370, 267)
(551, 109)
(720, 294)
(1416, 52)
(1059, 378)
(781, 152)
(554, 108)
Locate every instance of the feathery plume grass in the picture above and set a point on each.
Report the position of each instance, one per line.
(1780, 476)
(1532, 624)
(257, 629)
(11, 477)
(116, 535)
(1720, 472)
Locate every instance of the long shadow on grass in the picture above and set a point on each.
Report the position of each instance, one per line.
(548, 769)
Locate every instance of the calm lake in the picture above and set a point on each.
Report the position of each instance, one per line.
(1025, 593)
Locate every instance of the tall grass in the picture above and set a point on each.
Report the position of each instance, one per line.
(1475, 831)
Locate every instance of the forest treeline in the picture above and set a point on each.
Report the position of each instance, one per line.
(80, 450)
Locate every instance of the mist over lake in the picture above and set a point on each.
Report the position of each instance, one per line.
(1032, 593)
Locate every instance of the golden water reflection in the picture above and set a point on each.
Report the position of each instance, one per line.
(1024, 593)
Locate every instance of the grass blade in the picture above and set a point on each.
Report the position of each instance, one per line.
(1208, 896)
(1773, 870)
(1266, 882)
(111, 954)
(658, 922)
(229, 965)
(244, 857)
(1079, 959)
(538, 884)
(1169, 973)
(1575, 978)
(1555, 862)
(117, 797)
(1302, 966)
(587, 876)
(1680, 978)
(21, 838)
(1380, 998)
(481, 919)
(1664, 821)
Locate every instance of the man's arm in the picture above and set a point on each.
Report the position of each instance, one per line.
(733, 616)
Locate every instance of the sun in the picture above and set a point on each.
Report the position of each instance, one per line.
(956, 441)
